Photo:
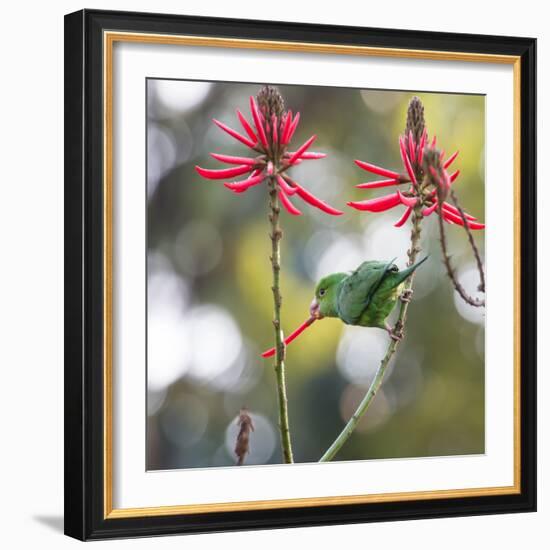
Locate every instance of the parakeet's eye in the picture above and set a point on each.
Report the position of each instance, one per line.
(322, 292)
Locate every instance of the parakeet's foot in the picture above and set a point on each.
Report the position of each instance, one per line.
(406, 295)
(396, 333)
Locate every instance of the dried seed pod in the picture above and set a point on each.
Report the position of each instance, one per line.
(246, 426)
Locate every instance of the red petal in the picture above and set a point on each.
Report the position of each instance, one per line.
(377, 170)
(450, 217)
(285, 186)
(274, 131)
(453, 176)
(258, 122)
(450, 160)
(407, 201)
(292, 336)
(476, 225)
(292, 128)
(453, 210)
(434, 141)
(233, 160)
(247, 128)
(301, 149)
(314, 201)
(310, 155)
(286, 127)
(223, 174)
(429, 210)
(421, 146)
(234, 134)
(401, 221)
(380, 204)
(411, 146)
(406, 160)
(377, 184)
(240, 186)
(290, 208)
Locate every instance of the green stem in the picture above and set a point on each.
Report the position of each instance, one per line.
(392, 348)
(276, 236)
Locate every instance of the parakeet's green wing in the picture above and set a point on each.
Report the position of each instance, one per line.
(357, 290)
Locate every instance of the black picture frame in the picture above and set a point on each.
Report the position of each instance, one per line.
(84, 282)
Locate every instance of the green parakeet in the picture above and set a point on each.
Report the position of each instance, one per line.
(364, 297)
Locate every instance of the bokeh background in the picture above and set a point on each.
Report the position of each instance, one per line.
(209, 279)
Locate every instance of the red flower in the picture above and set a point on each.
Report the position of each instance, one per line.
(428, 180)
(268, 137)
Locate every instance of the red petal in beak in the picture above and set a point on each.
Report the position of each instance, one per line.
(291, 337)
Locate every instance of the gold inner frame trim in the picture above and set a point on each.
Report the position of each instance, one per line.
(109, 39)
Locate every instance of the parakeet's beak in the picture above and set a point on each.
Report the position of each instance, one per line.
(314, 309)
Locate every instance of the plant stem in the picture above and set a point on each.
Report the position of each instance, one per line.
(392, 348)
(476, 302)
(471, 241)
(276, 236)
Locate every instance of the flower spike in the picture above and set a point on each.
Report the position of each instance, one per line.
(268, 135)
(426, 170)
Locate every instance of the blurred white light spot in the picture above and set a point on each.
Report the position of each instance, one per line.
(314, 249)
(161, 155)
(243, 374)
(359, 353)
(382, 241)
(168, 342)
(216, 341)
(168, 346)
(165, 288)
(343, 254)
(469, 279)
(262, 439)
(179, 95)
(198, 248)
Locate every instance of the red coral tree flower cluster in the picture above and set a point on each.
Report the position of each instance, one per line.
(268, 137)
(428, 180)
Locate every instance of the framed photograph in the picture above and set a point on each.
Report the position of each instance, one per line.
(300, 274)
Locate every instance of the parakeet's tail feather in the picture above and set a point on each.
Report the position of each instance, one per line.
(407, 272)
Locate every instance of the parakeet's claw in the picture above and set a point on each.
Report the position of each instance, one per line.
(406, 295)
(395, 333)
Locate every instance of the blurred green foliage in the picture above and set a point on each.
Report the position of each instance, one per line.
(209, 279)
